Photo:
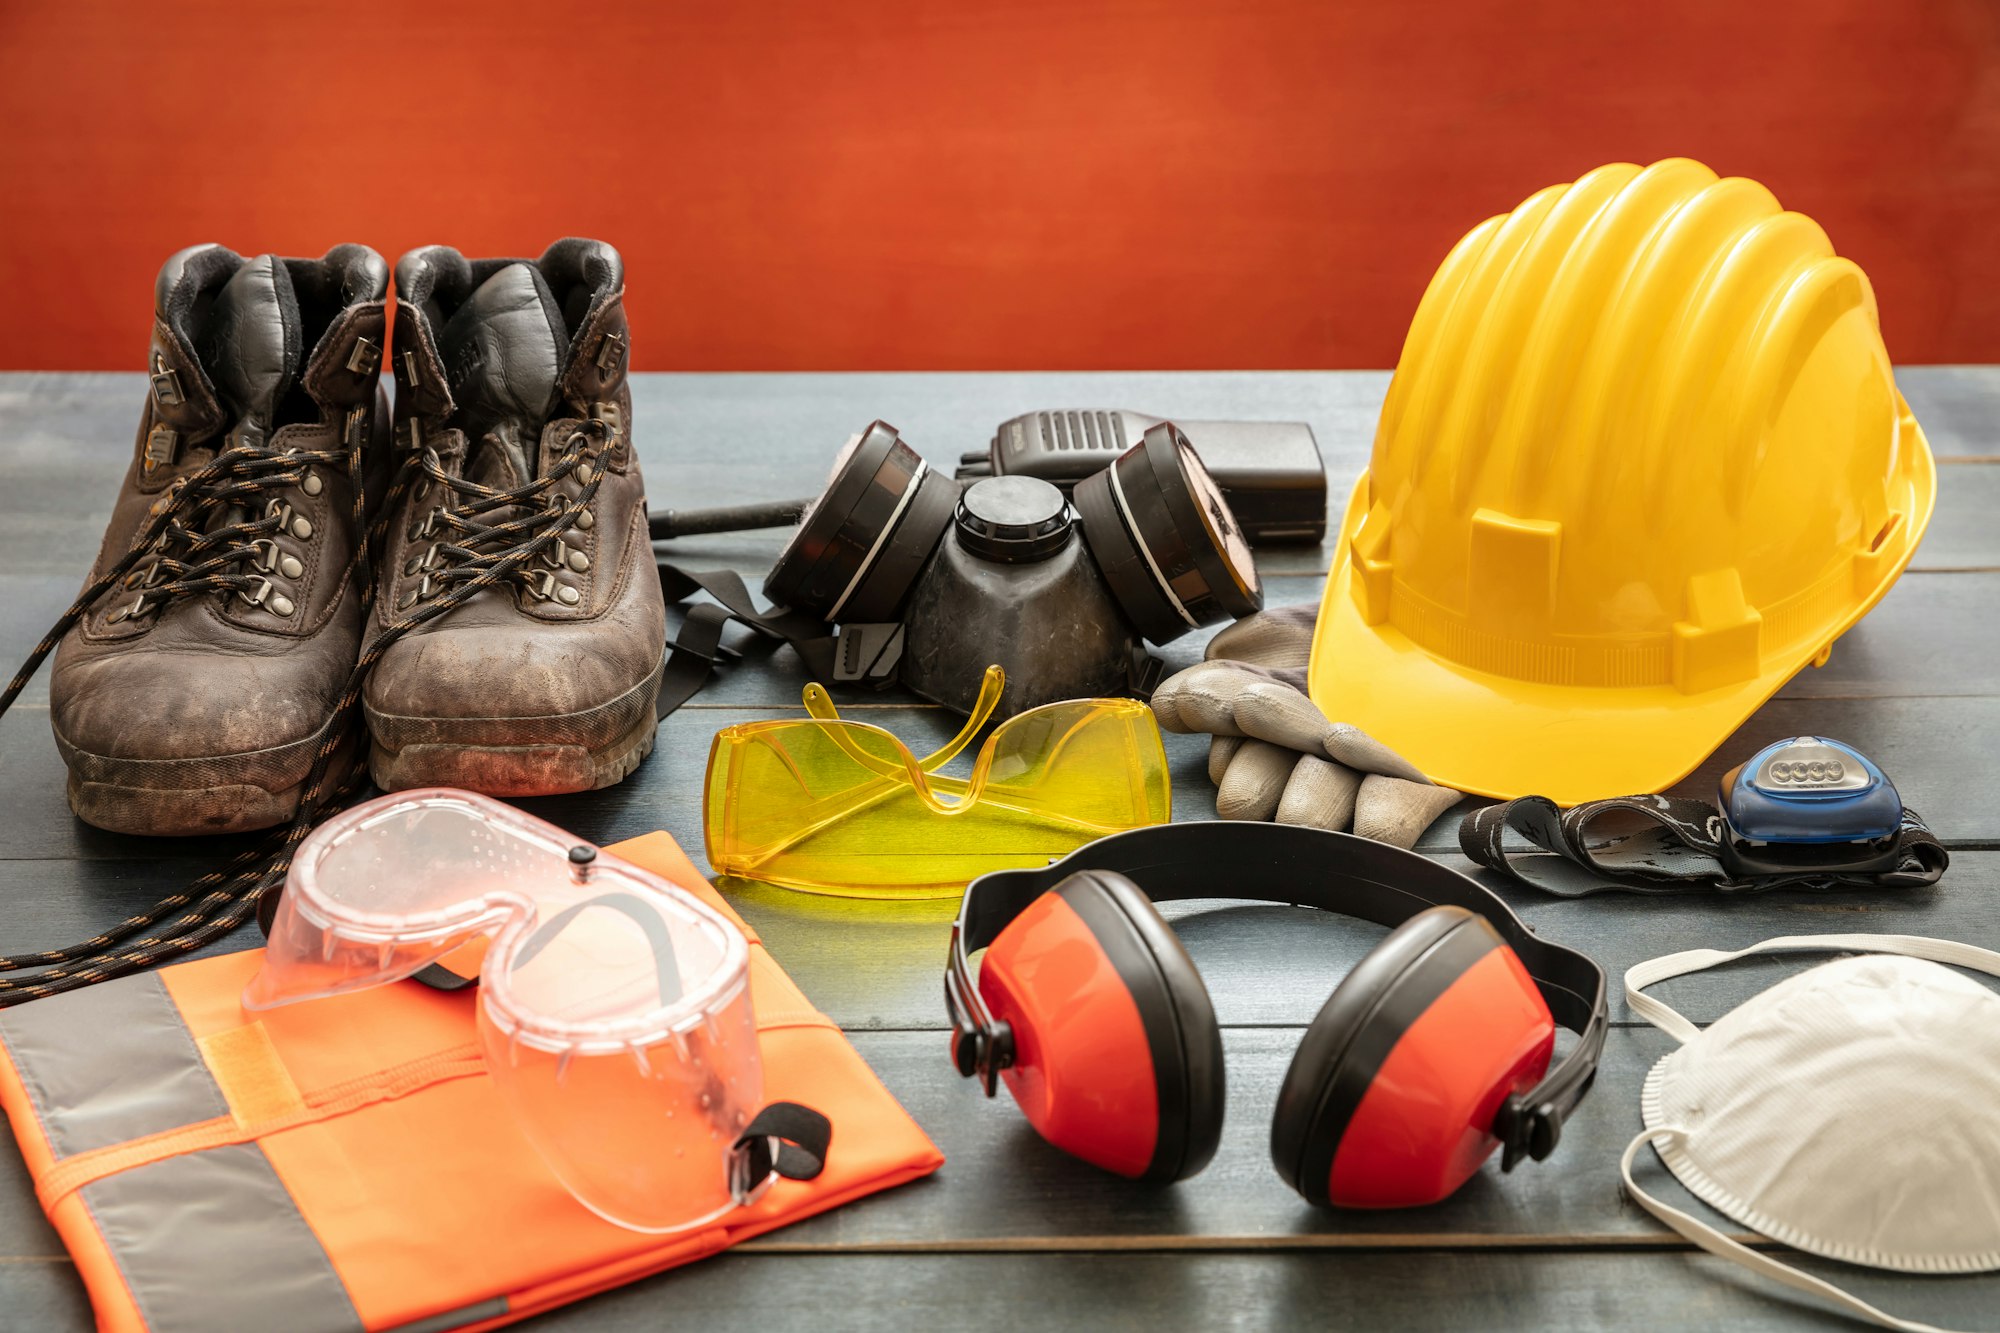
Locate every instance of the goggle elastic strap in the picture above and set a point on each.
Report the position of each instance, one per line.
(785, 1140)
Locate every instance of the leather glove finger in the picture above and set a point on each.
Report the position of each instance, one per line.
(1227, 699)
(1255, 780)
(1221, 749)
(1275, 713)
(1357, 749)
(1280, 638)
(1199, 699)
(1320, 794)
(1397, 812)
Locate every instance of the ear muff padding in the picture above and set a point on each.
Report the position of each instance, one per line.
(1174, 1007)
(1302, 1143)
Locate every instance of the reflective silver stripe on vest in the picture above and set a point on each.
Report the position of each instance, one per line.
(108, 1064)
(207, 1240)
(463, 1317)
(212, 1240)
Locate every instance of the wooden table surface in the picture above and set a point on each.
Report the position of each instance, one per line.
(1010, 1233)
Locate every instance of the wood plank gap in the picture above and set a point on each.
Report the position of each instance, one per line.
(1359, 1243)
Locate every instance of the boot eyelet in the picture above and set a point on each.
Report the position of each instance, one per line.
(312, 485)
(140, 607)
(257, 595)
(568, 596)
(290, 566)
(585, 522)
(578, 561)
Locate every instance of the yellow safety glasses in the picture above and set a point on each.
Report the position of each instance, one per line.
(833, 806)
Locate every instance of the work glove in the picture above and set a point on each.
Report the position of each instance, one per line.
(1273, 754)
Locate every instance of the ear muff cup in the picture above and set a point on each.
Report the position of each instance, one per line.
(1174, 1006)
(1389, 995)
(1117, 1057)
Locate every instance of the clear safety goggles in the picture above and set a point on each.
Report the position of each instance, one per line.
(614, 1006)
(835, 806)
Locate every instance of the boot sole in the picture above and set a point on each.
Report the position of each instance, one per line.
(519, 770)
(128, 795)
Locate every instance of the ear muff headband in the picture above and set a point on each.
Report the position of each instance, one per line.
(1334, 872)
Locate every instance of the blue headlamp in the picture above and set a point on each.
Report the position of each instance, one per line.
(1809, 803)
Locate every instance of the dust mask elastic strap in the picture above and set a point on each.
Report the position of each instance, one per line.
(1708, 1238)
(1655, 970)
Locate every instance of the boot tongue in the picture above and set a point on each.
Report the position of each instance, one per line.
(503, 351)
(250, 340)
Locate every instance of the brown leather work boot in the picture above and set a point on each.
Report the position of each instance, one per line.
(193, 695)
(511, 394)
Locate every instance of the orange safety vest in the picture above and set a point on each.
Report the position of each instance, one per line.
(348, 1165)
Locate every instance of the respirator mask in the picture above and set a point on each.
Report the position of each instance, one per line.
(898, 573)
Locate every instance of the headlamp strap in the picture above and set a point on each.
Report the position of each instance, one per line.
(1659, 845)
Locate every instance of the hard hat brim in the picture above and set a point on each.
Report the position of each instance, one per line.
(1493, 735)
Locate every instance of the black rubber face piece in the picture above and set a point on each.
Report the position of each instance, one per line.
(1173, 553)
(858, 548)
(1012, 520)
(1352, 1035)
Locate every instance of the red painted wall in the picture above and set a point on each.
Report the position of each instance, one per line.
(842, 184)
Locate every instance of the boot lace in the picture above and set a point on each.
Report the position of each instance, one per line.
(495, 537)
(213, 531)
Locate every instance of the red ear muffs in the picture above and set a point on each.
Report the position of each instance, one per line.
(1389, 1100)
(1117, 1057)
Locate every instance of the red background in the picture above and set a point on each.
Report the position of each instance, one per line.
(846, 184)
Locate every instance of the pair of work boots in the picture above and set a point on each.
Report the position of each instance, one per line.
(473, 572)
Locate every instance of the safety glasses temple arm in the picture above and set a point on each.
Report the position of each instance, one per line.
(819, 706)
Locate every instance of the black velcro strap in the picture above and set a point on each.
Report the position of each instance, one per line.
(787, 1138)
(1655, 844)
(694, 652)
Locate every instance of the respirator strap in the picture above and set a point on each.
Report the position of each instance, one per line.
(1708, 1238)
(1655, 844)
(694, 653)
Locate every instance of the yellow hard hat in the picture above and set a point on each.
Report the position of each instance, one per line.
(1642, 459)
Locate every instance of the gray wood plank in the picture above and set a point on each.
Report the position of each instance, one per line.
(731, 439)
(1955, 404)
(766, 1284)
(1928, 636)
(876, 965)
(1935, 748)
(1003, 1187)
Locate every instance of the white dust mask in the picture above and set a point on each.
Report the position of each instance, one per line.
(1852, 1111)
